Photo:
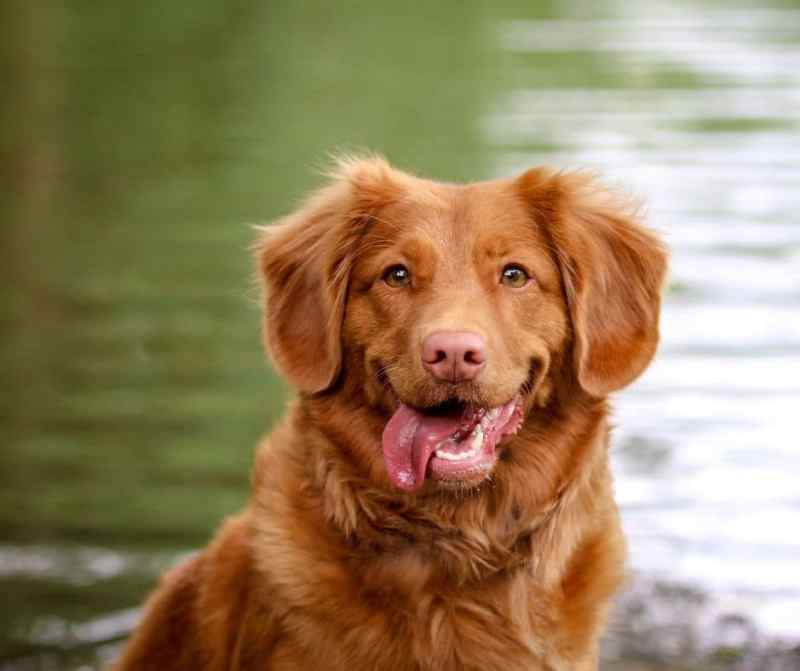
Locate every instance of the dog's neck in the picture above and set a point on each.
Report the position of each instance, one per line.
(513, 520)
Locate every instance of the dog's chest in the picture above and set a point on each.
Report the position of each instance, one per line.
(396, 626)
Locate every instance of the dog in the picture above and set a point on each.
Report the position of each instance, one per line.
(438, 495)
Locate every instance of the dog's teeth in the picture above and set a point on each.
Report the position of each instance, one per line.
(476, 444)
(489, 418)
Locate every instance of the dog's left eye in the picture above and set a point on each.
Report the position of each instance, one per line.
(514, 276)
(397, 276)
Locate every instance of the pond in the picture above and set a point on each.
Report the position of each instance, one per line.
(141, 141)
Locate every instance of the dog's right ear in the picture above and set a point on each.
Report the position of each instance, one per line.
(304, 263)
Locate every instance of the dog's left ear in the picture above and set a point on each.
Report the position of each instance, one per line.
(304, 263)
(613, 270)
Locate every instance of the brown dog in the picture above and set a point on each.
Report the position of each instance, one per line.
(439, 495)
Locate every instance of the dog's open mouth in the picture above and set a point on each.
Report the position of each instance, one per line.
(453, 442)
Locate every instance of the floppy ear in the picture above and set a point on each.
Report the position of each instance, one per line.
(613, 270)
(304, 263)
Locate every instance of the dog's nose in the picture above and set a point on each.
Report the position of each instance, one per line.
(454, 356)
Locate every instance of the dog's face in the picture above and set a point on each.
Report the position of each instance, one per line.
(457, 311)
(455, 296)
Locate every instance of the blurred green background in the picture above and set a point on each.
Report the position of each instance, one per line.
(140, 141)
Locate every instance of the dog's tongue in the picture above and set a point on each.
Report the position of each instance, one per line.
(409, 439)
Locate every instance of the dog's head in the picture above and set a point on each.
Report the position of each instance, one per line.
(458, 311)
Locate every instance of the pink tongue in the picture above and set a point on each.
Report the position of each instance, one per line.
(409, 440)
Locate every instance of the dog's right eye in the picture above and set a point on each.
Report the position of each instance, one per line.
(397, 276)
(514, 276)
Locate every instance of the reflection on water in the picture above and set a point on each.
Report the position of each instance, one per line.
(142, 138)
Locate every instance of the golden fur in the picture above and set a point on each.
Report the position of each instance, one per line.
(329, 566)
